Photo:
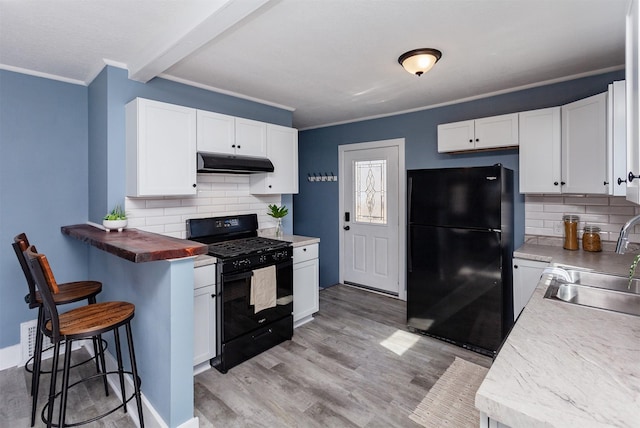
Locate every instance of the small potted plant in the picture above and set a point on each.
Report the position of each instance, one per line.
(116, 219)
(278, 213)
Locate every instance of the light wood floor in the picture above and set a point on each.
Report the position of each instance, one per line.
(346, 368)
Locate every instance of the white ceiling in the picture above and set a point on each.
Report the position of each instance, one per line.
(330, 61)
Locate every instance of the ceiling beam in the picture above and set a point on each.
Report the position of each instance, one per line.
(173, 48)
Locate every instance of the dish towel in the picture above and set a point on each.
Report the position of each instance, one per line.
(263, 288)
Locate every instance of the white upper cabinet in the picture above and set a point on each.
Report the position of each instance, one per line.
(160, 149)
(617, 138)
(564, 149)
(220, 133)
(456, 136)
(486, 133)
(540, 163)
(216, 132)
(584, 146)
(282, 150)
(251, 137)
(632, 77)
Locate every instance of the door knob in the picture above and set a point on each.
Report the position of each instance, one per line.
(346, 228)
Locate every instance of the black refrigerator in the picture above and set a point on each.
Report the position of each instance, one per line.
(460, 245)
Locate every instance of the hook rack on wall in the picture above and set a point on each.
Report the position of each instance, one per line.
(320, 176)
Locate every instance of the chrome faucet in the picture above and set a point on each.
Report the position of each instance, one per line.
(623, 239)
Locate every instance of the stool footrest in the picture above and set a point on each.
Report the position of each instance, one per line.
(30, 360)
(95, 418)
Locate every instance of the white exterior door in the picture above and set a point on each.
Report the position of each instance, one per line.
(371, 208)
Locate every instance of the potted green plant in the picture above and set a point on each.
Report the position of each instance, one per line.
(115, 220)
(278, 213)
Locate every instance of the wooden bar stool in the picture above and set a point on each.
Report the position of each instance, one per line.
(68, 293)
(81, 323)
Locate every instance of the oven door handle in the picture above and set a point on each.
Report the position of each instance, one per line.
(237, 276)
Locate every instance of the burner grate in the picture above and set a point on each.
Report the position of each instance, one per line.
(238, 247)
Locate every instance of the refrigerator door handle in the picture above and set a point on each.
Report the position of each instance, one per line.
(409, 189)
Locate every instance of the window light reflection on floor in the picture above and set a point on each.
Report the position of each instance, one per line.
(400, 341)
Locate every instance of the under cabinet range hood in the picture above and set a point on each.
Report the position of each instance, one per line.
(220, 162)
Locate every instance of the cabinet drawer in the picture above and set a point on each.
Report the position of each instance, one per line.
(204, 275)
(308, 252)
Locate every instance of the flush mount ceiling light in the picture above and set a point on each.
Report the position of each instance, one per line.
(419, 61)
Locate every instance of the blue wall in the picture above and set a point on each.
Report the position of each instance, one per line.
(317, 203)
(43, 184)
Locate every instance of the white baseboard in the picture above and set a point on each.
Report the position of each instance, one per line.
(10, 356)
(151, 417)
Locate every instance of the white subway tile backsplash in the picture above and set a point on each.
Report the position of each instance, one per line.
(162, 203)
(534, 207)
(133, 213)
(561, 208)
(155, 229)
(152, 221)
(218, 195)
(134, 203)
(586, 200)
(608, 213)
(622, 201)
(180, 210)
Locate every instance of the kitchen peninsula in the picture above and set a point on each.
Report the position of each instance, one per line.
(156, 274)
(566, 365)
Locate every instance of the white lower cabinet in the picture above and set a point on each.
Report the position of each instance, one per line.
(306, 298)
(204, 314)
(526, 275)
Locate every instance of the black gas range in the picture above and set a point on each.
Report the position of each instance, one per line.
(254, 286)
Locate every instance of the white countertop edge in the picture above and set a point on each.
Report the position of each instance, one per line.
(554, 369)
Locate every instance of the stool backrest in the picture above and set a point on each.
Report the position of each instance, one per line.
(20, 244)
(46, 284)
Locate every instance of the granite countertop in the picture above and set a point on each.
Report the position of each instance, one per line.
(565, 365)
(135, 245)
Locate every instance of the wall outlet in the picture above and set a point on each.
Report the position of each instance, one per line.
(558, 228)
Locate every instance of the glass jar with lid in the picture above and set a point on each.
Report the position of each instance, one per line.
(591, 239)
(570, 231)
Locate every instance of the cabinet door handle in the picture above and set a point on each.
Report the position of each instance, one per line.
(194, 184)
(238, 145)
(555, 183)
(346, 228)
(477, 139)
(631, 176)
(304, 249)
(471, 141)
(213, 296)
(233, 146)
(606, 182)
(562, 183)
(620, 181)
(515, 266)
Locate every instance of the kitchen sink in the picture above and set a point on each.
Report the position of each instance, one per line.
(603, 280)
(597, 290)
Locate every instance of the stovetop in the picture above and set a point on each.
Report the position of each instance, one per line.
(245, 246)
